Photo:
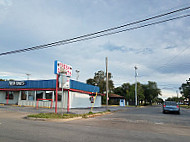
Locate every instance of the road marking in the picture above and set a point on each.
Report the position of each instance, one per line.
(159, 123)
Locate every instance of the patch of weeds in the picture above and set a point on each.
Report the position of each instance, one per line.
(185, 106)
(90, 112)
(84, 116)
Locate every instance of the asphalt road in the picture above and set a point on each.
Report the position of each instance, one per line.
(129, 125)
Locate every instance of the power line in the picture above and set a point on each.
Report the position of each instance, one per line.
(91, 36)
(170, 61)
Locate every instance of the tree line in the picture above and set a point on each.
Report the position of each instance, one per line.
(6, 79)
(146, 93)
(185, 90)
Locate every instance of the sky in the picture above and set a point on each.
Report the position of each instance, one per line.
(160, 52)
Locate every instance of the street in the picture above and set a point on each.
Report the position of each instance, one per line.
(129, 125)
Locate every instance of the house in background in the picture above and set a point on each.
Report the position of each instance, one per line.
(115, 99)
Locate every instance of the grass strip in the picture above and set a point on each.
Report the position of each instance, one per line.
(185, 106)
(62, 116)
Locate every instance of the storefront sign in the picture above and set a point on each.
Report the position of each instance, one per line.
(16, 83)
(58, 66)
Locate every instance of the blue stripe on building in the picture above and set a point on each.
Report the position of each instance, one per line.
(45, 84)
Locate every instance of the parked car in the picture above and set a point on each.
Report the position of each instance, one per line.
(171, 106)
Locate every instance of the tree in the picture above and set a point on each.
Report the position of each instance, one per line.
(185, 90)
(176, 99)
(91, 81)
(159, 100)
(131, 94)
(140, 93)
(6, 79)
(100, 81)
(128, 91)
(145, 92)
(123, 90)
(151, 91)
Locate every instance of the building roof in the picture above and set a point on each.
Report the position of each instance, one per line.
(83, 86)
(115, 96)
(45, 84)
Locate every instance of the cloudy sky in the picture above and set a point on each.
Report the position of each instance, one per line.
(161, 52)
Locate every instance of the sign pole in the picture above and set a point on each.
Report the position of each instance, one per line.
(58, 69)
(56, 96)
(7, 97)
(94, 102)
(68, 102)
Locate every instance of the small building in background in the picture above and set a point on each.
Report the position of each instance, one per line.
(115, 99)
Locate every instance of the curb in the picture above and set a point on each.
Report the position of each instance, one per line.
(49, 119)
(98, 114)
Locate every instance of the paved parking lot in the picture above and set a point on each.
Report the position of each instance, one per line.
(129, 125)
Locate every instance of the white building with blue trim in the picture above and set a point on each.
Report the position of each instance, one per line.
(27, 92)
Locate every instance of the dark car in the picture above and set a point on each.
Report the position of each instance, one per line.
(171, 106)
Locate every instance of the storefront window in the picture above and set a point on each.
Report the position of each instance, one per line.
(39, 95)
(9, 95)
(31, 95)
(59, 96)
(48, 95)
(23, 95)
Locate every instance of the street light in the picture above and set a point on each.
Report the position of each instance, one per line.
(27, 74)
(77, 71)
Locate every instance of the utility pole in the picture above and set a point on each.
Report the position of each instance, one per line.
(135, 86)
(177, 94)
(106, 83)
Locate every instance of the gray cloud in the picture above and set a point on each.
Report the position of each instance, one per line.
(170, 47)
(112, 47)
